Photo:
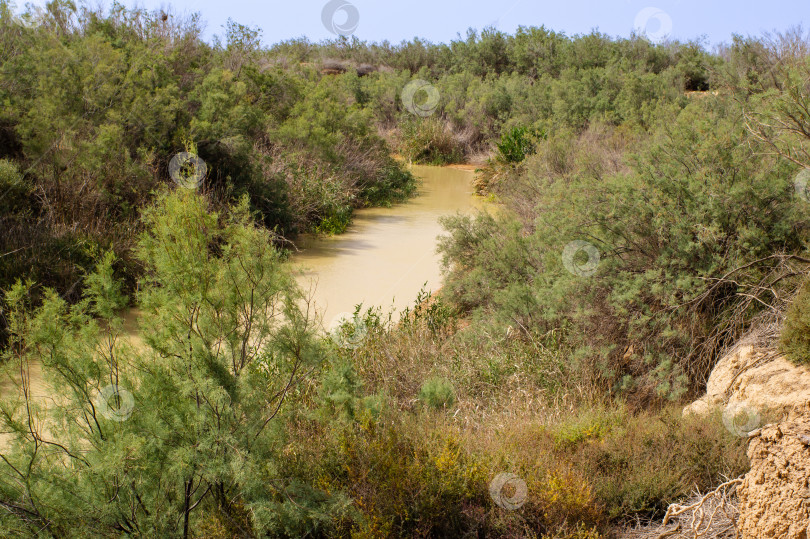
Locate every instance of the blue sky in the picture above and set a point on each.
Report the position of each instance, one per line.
(442, 20)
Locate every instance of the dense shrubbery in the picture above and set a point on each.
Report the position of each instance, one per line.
(96, 105)
(535, 360)
(669, 217)
(688, 218)
(491, 82)
(302, 145)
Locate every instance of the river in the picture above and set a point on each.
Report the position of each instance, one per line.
(387, 254)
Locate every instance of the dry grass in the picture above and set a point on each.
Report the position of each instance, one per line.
(519, 408)
(492, 374)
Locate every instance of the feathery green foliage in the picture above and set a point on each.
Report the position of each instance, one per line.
(218, 361)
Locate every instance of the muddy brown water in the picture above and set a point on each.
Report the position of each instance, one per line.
(387, 254)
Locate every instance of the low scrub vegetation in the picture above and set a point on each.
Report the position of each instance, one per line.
(641, 229)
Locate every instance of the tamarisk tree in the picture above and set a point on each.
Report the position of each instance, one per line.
(152, 434)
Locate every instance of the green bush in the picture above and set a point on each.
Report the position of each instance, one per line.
(335, 222)
(429, 141)
(516, 144)
(636, 464)
(586, 470)
(437, 393)
(795, 338)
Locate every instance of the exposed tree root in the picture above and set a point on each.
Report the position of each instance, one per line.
(704, 516)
